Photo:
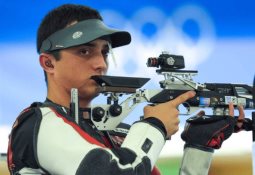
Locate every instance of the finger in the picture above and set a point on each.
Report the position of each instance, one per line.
(231, 109)
(240, 117)
(201, 113)
(241, 112)
(182, 98)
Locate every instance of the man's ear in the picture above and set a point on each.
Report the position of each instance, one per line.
(47, 61)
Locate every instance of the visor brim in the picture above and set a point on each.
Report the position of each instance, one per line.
(84, 32)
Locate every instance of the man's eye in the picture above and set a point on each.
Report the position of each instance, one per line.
(105, 54)
(84, 52)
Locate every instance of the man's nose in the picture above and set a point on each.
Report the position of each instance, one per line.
(101, 63)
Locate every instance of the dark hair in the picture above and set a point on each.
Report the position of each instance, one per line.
(59, 18)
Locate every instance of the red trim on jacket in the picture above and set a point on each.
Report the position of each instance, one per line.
(9, 157)
(82, 133)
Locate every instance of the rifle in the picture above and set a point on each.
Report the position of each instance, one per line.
(216, 96)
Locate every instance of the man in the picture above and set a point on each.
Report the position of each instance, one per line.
(73, 44)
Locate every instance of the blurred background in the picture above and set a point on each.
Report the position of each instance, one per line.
(216, 38)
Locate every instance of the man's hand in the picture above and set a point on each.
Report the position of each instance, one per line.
(167, 112)
(208, 133)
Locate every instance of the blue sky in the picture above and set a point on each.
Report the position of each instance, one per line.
(231, 18)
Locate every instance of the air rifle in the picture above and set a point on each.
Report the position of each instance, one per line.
(176, 81)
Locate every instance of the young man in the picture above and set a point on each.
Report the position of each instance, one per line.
(73, 44)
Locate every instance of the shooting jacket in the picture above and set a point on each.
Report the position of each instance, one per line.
(46, 140)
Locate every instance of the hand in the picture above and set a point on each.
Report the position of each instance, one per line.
(242, 123)
(208, 133)
(167, 112)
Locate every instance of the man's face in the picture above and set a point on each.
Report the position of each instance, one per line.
(78, 64)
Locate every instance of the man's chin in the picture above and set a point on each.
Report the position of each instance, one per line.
(97, 94)
(89, 95)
